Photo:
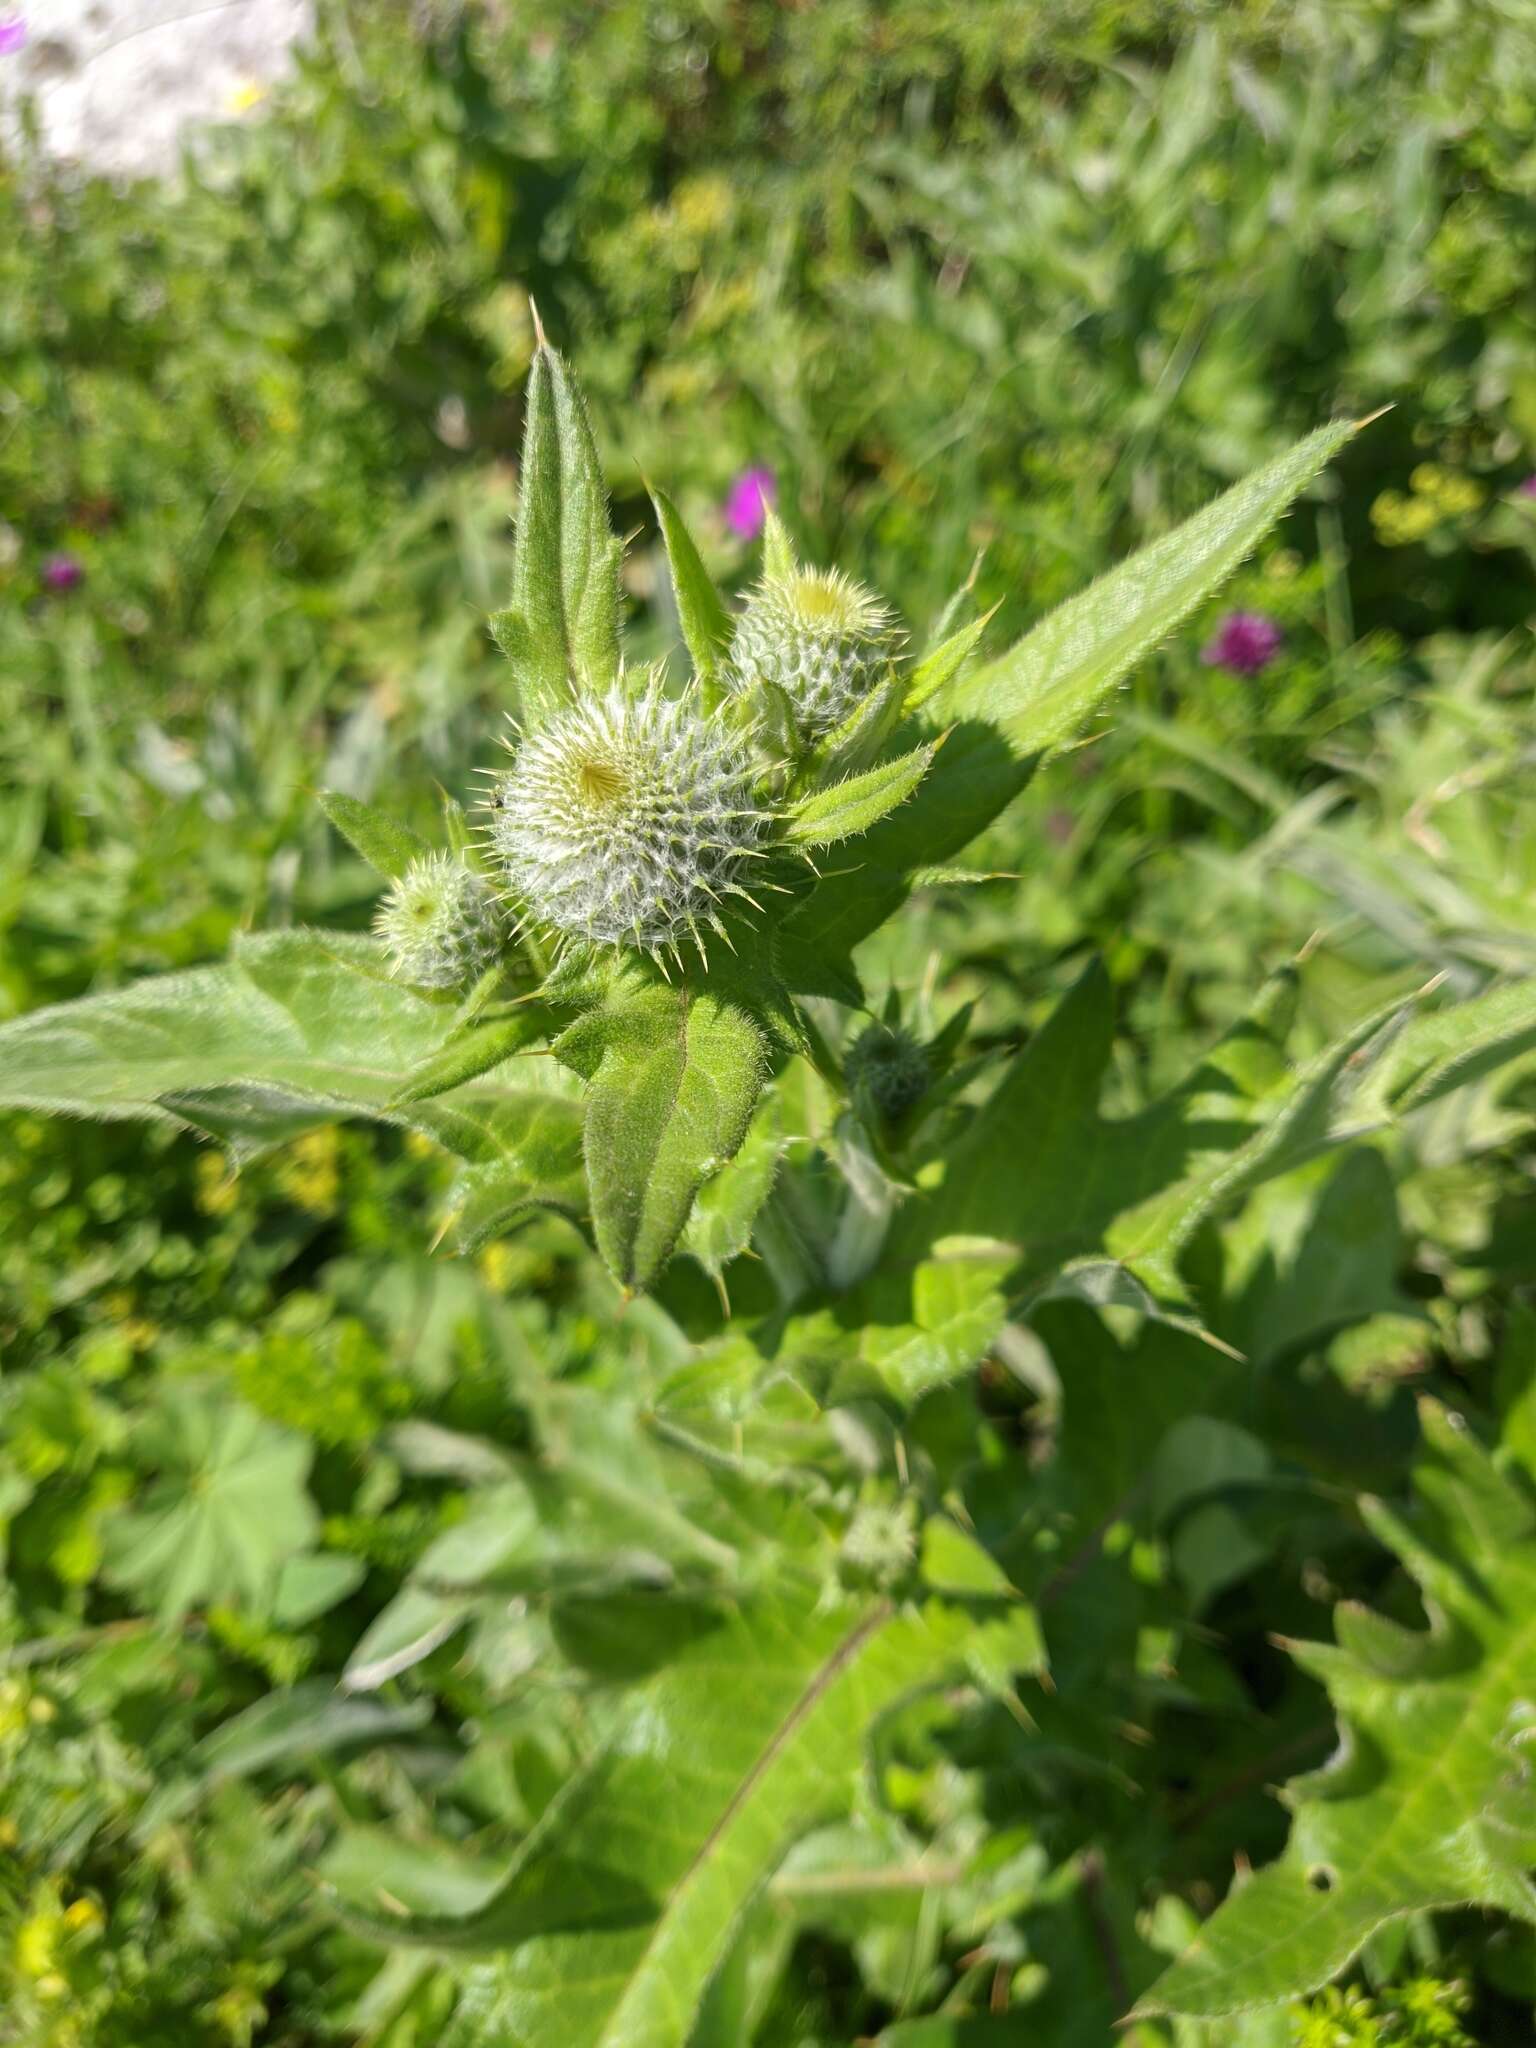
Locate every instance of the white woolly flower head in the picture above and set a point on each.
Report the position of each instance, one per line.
(628, 819)
(819, 639)
(439, 923)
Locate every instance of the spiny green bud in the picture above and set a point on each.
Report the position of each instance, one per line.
(627, 820)
(819, 639)
(880, 1542)
(892, 1066)
(439, 923)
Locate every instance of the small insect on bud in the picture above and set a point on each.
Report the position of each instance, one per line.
(891, 1066)
(439, 924)
(820, 640)
(627, 820)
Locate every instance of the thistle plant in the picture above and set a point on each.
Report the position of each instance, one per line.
(629, 820)
(632, 995)
(891, 1067)
(439, 923)
(817, 642)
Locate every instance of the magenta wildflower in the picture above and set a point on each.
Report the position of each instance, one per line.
(62, 572)
(1244, 642)
(747, 504)
(1526, 488)
(13, 34)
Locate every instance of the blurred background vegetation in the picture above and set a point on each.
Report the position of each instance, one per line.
(1016, 287)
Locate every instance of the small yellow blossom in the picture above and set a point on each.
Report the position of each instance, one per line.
(216, 1191)
(309, 1174)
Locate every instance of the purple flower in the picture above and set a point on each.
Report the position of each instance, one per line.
(1244, 642)
(747, 505)
(62, 572)
(13, 34)
(1526, 488)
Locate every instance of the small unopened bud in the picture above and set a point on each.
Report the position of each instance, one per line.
(439, 923)
(627, 820)
(891, 1067)
(880, 1542)
(817, 638)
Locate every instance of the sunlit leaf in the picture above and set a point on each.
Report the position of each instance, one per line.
(621, 1906)
(1429, 1800)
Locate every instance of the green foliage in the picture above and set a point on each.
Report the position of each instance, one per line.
(562, 626)
(847, 808)
(705, 622)
(674, 1079)
(1040, 692)
(755, 1732)
(807, 1471)
(384, 844)
(1428, 1800)
(227, 1510)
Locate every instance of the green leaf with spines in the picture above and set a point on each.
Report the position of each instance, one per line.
(946, 664)
(704, 619)
(1040, 692)
(1429, 1801)
(1041, 1170)
(473, 1052)
(674, 1074)
(778, 549)
(383, 842)
(845, 809)
(561, 628)
(719, 1227)
(1009, 712)
(1450, 1047)
(295, 1029)
(521, 1150)
(623, 1902)
(1043, 1198)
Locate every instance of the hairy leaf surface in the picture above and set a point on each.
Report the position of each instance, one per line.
(1042, 689)
(562, 625)
(1007, 713)
(674, 1078)
(294, 1029)
(1429, 1800)
(622, 1904)
(703, 617)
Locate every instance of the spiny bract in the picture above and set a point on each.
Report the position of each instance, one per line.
(627, 820)
(439, 923)
(819, 639)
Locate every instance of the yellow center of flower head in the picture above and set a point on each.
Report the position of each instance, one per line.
(627, 819)
(826, 597)
(601, 780)
(439, 923)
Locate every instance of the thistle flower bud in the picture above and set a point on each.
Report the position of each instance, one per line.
(627, 820)
(892, 1066)
(880, 1542)
(439, 923)
(817, 637)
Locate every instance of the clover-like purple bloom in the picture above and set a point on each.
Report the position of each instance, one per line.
(746, 506)
(62, 572)
(1245, 642)
(13, 34)
(1526, 488)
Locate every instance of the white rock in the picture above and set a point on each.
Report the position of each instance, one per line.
(116, 83)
